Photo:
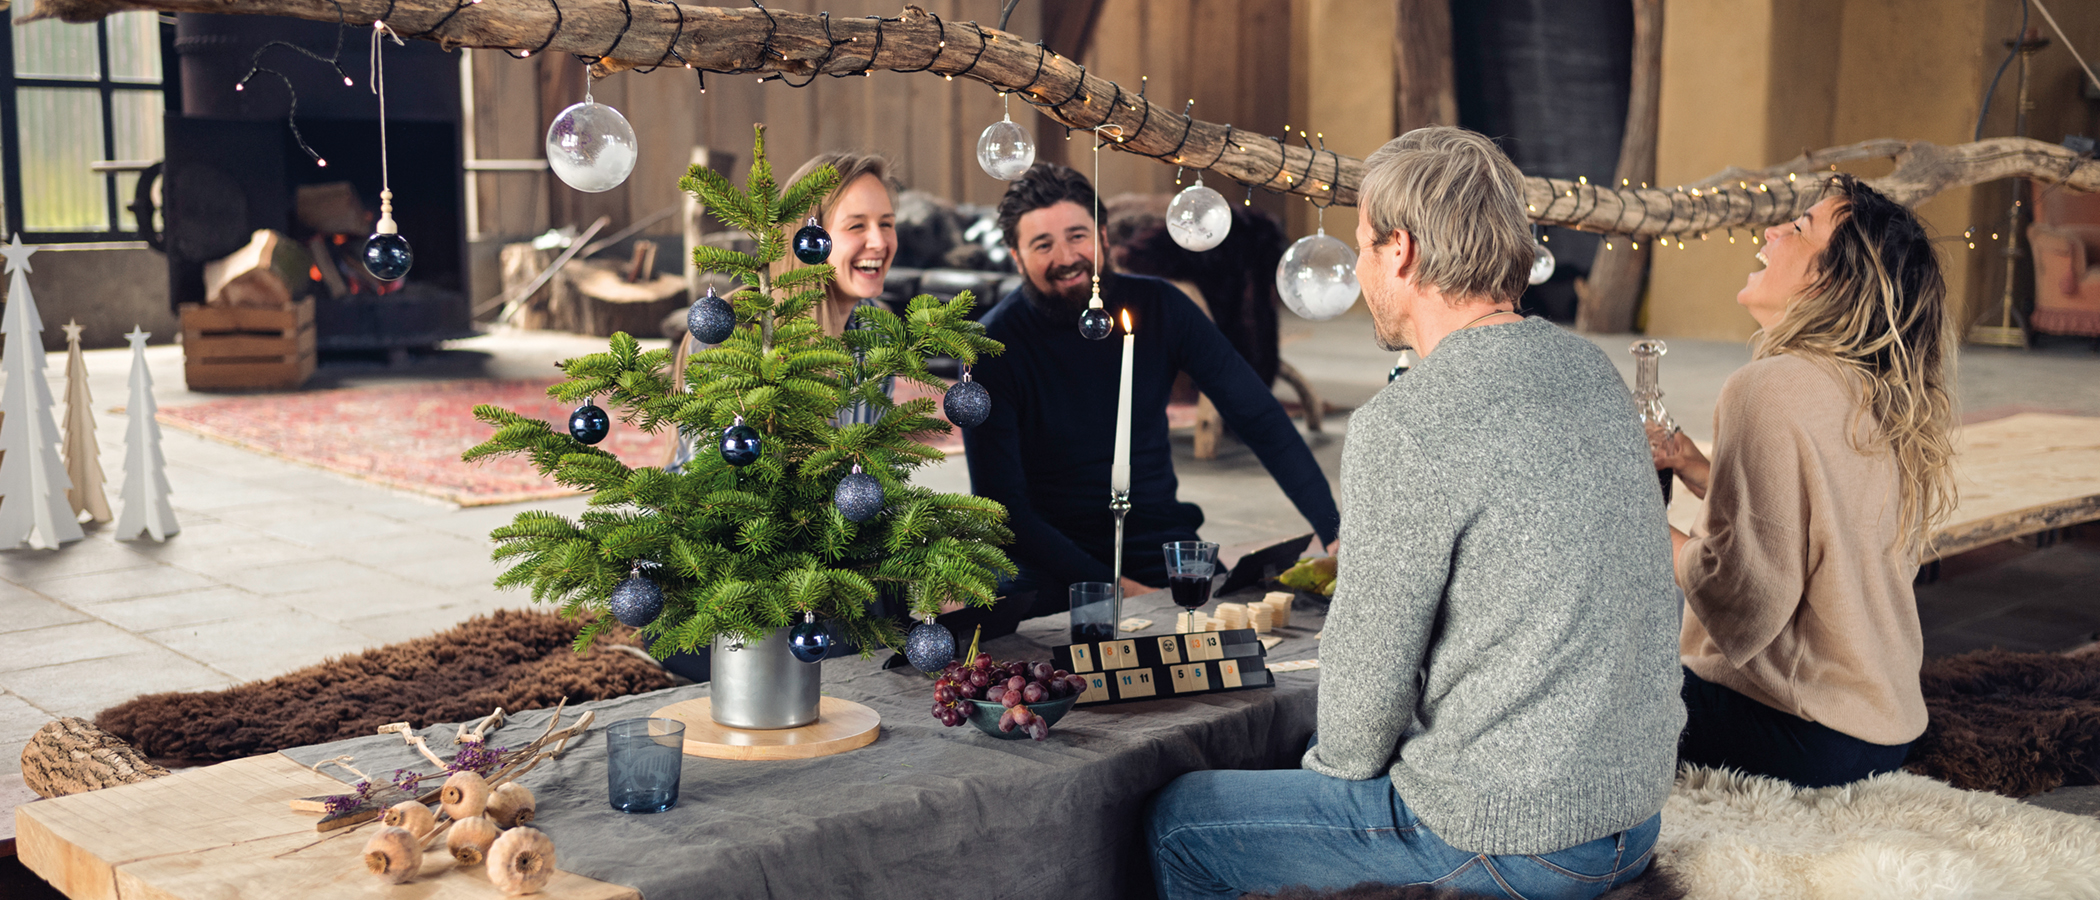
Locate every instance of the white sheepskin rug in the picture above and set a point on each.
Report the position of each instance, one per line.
(1729, 836)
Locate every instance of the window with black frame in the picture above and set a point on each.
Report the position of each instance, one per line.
(80, 118)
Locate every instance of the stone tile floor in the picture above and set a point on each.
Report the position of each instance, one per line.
(279, 566)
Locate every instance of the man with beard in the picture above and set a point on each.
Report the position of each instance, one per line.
(1046, 450)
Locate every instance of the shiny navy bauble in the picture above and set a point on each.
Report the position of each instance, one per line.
(809, 641)
(1094, 324)
(968, 404)
(589, 424)
(812, 244)
(740, 445)
(637, 601)
(929, 647)
(388, 257)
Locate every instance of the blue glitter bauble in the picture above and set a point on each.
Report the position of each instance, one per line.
(711, 319)
(809, 641)
(740, 445)
(637, 601)
(859, 497)
(812, 244)
(388, 257)
(929, 647)
(968, 404)
(1094, 324)
(589, 424)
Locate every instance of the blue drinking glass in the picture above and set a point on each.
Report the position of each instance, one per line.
(643, 759)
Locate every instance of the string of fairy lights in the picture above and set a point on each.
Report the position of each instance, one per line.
(1667, 217)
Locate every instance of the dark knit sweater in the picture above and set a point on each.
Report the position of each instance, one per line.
(1046, 450)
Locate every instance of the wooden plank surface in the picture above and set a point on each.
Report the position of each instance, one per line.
(841, 725)
(2018, 475)
(228, 831)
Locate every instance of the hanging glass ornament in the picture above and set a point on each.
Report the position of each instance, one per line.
(1318, 277)
(812, 243)
(967, 404)
(1541, 265)
(809, 640)
(740, 444)
(929, 646)
(1005, 150)
(588, 423)
(711, 319)
(387, 254)
(1198, 218)
(590, 146)
(859, 496)
(637, 601)
(1095, 323)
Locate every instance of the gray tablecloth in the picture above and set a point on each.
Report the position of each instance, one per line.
(924, 812)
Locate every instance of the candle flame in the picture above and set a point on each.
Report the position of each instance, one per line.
(1126, 321)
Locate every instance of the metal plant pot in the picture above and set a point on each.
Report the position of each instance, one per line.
(761, 685)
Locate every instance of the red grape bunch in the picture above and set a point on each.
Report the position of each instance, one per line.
(1011, 684)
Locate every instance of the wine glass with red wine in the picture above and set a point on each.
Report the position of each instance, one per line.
(1191, 565)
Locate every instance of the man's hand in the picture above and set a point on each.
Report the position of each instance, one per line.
(1132, 588)
(1672, 450)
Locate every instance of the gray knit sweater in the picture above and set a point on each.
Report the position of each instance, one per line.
(1503, 637)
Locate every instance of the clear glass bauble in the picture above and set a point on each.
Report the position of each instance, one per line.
(1199, 218)
(1005, 150)
(1542, 265)
(1318, 277)
(591, 147)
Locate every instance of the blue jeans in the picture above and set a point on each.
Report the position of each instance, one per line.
(1220, 834)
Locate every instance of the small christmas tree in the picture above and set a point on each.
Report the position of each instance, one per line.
(83, 455)
(747, 549)
(33, 483)
(145, 470)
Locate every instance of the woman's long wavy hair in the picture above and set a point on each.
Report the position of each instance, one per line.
(1876, 307)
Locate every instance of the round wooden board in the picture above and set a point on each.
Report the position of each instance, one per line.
(841, 725)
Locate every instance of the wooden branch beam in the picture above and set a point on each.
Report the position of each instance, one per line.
(794, 46)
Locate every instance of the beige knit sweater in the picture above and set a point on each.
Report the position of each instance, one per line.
(1799, 594)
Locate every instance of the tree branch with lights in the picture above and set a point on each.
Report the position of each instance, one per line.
(618, 35)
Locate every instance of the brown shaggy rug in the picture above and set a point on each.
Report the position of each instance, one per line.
(2015, 724)
(515, 659)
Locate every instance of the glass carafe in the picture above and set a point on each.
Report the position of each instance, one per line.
(1647, 393)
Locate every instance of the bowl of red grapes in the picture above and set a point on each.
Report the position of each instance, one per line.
(1007, 700)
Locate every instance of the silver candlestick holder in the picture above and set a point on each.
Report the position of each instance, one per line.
(1118, 503)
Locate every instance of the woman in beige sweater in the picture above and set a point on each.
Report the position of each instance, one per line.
(1800, 641)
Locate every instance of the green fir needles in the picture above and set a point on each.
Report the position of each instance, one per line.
(747, 550)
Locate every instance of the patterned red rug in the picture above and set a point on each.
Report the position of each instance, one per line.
(410, 436)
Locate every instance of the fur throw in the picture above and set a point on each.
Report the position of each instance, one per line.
(515, 659)
(1899, 835)
(2015, 723)
(1655, 884)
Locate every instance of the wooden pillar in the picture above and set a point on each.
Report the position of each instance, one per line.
(1611, 296)
(1424, 88)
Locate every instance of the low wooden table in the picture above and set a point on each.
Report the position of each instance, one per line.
(227, 831)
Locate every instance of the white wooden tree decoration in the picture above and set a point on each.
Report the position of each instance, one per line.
(83, 455)
(145, 471)
(33, 482)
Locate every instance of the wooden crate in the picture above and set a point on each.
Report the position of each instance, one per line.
(229, 347)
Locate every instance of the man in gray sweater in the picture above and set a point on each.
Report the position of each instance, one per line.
(1499, 678)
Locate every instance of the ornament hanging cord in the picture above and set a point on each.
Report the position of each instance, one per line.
(380, 31)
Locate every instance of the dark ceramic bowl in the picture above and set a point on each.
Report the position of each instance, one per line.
(985, 715)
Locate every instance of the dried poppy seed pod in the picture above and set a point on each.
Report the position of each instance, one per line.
(511, 805)
(470, 839)
(394, 855)
(465, 795)
(521, 861)
(411, 815)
